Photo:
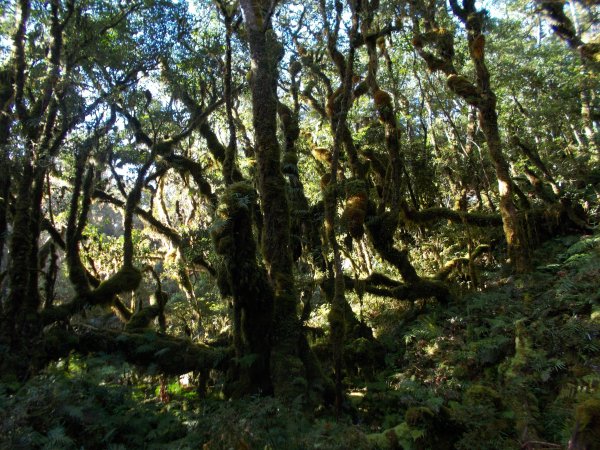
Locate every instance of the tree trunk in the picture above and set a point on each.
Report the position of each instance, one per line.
(517, 248)
(287, 369)
(479, 95)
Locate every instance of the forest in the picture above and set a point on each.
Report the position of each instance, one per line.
(278, 224)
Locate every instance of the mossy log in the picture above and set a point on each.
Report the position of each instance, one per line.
(160, 353)
(432, 215)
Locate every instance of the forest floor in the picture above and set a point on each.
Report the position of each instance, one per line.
(516, 365)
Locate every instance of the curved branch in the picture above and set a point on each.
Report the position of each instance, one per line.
(460, 261)
(422, 289)
(155, 224)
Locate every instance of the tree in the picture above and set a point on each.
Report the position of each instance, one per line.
(261, 157)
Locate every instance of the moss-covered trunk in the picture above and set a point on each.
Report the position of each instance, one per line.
(436, 47)
(247, 284)
(287, 369)
(20, 321)
(6, 95)
(488, 119)
(518, 249)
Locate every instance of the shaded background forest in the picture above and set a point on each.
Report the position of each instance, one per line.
(366, 224)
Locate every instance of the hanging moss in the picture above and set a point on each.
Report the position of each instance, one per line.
(587, 426)
(355, 210)
(477, 47)
(353, 218)
(446, 43)
(295, 67)
(382, 98)
(322, 154)
(435, 64)
(462, 87)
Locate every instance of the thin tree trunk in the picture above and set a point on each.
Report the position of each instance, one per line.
(483, 98)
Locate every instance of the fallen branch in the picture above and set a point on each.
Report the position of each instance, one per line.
(161, 353)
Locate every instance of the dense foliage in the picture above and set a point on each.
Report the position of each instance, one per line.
(265, 224)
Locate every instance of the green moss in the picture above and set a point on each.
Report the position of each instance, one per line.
(587, 417)
(418, 415)
(142, 318)
(355, 187)
(289, 158)
(478, 394)
(238, 195)
(126, 279)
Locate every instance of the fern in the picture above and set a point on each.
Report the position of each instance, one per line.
(56, 439)
(585, 245)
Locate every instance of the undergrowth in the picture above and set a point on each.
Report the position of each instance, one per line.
(498, 369)
(503, 368)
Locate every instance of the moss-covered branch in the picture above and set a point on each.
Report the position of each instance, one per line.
(165, 150)
(461, 261)
(433, 215)
(126, 279)
(565, 30)
(422, 289)
(159, 227)
(156, 352)
(381, 231)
